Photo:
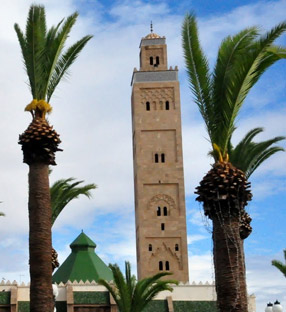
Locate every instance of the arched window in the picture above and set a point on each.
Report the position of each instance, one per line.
(160, 265)
(150, 247)
(176, 247)
(162, 226)
(156, 158)
(151, 60)
(165, 211)
(167, 266)
(167, 105)
(158, 211)
(157, 60)
(162, 157)
(147, 106)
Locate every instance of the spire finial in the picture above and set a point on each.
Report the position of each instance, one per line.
(151, 27)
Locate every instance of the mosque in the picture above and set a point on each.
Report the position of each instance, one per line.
(161, 236)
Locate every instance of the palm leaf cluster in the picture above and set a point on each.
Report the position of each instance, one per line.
(65, 190)
(220, 95)
(279, 265)
(45, 61)
(248, 155)
(131, 295)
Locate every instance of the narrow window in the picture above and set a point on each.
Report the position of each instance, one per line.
(162, 226)
(147, 106)
(176, 247)
(156, 158)
(157, 60)
(158, 211)
(151, 60)
(150, 247)
(167, 105)
(163, 158)
(167, 266)
(160, 265)
(165, 211)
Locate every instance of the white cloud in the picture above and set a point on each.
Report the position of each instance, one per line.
(195, 238)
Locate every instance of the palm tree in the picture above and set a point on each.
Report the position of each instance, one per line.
(279, 265)
(225, 191)
(131, 295)
(62, 192)
(46, 64)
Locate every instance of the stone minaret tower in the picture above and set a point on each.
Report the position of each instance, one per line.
(161, 237)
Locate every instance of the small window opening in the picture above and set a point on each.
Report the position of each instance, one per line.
(158, 211)
(176, 247)
(147, 106)
(165, 211)
(160, 265)
(162, 226)
(167, 266)
(167, 105)
(163, 158)
(151, 60)
(156, 158)
(150, 247)
(157, 60)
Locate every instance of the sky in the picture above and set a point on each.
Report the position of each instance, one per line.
(92, 113)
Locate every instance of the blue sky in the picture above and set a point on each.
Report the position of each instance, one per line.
(92, 112)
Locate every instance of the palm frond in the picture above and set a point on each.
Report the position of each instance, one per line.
(279, 265)
(197, 69)
(42, 51)
(65, 190)
(248, 65)
(55, 44)
(231, 52)
(248, 155)
(64, 63)
(133, 296)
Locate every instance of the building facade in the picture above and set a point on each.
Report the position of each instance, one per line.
(161, 237)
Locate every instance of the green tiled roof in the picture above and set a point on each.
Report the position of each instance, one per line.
(83, 263)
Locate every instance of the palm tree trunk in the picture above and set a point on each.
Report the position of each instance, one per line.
(41, 294)
(229, 264)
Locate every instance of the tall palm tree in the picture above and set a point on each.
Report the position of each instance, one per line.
(131, 295)
(279, 265)
(225, 191)
(62, 192)
(46, 64)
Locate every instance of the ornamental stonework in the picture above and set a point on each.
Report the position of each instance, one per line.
(162, 197)
(157, 95)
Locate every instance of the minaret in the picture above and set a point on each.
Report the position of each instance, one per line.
(161, 237)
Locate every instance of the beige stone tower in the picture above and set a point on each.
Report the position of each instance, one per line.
(161, 238)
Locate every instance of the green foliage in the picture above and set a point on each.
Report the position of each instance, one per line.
(195, 306)
(248, 155)
(241, 61)
(157, 305)
(65, 190)
(45, 61)
(279, 265)
(132, 295)
(23, 306)
(5, 297)
(91, 297)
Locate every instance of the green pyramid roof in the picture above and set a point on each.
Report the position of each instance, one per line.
(83, 263)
